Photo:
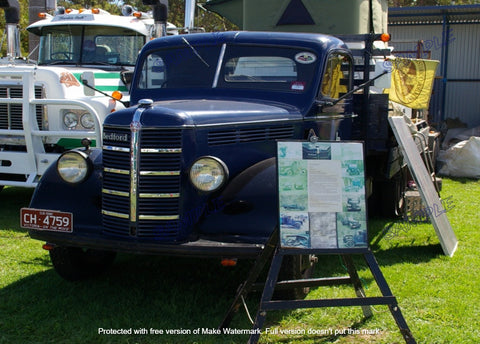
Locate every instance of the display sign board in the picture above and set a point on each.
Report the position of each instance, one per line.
(322, 201)
(423, 179)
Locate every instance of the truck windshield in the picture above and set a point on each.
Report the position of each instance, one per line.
(242, 67)
(102, 45)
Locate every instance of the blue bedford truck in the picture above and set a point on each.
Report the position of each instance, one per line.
(189, 168)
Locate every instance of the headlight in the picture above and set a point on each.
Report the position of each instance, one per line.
(87, 121)
(208, 174)
(78, 119)
(73, 166)
(70, 120)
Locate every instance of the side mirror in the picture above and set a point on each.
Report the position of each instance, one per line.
(127, 76)
(89, 79)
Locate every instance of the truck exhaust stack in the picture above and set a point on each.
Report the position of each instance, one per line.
(12, 17)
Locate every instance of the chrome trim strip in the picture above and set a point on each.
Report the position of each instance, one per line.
(159, 195)
(115, 170)
(116, 193)
(161, 150)
(116, 149)
(159, 173)
(286, 120)
(135, 128)
(338, 116)
(114, 214)
(158, 217)
(219, 65)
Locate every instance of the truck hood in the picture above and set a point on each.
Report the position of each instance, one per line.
(203, 112)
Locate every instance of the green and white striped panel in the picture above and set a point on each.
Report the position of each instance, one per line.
(106, 81)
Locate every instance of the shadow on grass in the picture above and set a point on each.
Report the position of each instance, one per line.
(139, 292)
(11, 200)
(399, 252)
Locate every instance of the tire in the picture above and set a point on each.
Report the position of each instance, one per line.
(295, 268)
(392, 195)
(74, 263)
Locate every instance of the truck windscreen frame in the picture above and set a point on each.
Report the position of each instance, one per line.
(89, 44)
(269, 68)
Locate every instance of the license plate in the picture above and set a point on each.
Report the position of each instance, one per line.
(46, 220)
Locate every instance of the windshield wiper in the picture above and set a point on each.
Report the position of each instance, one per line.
(58, 63)
(196, 52)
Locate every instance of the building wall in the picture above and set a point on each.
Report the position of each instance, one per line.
(457, 86)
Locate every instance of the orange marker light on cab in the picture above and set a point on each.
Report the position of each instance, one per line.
(117, 95)
(385, 37)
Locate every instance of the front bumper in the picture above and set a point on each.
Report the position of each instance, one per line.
(203, 247)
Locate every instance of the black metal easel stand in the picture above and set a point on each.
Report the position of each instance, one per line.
(275, 253)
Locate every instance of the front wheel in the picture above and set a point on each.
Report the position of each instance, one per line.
(74, 263)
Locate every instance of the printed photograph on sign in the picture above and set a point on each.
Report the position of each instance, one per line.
(316, 151)
(352, 230)
(289, 150)
(323, 230)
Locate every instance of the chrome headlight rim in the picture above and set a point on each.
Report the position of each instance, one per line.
(74, 167)
(216, 182)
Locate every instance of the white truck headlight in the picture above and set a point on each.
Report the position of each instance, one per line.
(208, 173)
(74, 166)
(87, 121)
(70, 120)
(74, 119)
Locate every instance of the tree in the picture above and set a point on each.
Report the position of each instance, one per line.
(207, 20)
(23, 24)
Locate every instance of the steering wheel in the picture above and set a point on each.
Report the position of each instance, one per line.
(67, 55)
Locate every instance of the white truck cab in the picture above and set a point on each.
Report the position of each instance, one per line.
(85, 61)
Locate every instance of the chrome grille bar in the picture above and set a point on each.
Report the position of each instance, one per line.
(162, 150)
(159, 173)
(135, 128)
(159, 195)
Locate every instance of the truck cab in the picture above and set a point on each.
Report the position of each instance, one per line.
(85, 63)
(190, 167)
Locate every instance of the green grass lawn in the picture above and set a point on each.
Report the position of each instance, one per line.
(438, 295)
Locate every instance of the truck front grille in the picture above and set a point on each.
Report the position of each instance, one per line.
(11, 114)
(158, 192)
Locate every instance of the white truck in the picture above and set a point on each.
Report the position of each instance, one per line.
(49, 106)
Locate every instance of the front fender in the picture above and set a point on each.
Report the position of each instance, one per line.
(249, 205)
(83, 200)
